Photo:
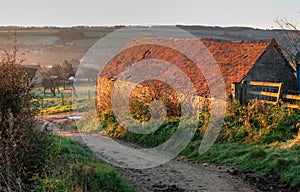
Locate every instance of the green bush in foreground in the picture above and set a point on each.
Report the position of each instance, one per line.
(72, 168)
(20, 156)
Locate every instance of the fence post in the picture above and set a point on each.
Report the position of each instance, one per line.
(298, 72)
(233, 91)
(243, 96)
(279, 93)
(89, 94)
(42, 102)
(62, 99)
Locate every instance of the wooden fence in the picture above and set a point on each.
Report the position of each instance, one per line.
(268, 92)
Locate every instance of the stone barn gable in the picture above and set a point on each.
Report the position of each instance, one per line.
(252, 61)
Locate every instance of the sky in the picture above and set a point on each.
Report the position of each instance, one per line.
(250, 13)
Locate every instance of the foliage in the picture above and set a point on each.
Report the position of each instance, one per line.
(256, 137)
(17, 136)
(64, 70)
(66, 35)
(67, 70)
(259, 123)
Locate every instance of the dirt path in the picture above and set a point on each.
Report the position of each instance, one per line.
(182, 176)
(175, 175)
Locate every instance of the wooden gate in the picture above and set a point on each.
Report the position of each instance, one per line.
(267, 92)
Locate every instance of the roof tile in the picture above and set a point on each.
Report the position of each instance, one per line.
(234, 58)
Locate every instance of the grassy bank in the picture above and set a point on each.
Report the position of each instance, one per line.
(259, 138)
(71, 168)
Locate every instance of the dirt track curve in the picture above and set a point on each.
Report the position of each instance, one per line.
(177, 175)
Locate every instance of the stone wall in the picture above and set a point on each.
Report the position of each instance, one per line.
(140, 97)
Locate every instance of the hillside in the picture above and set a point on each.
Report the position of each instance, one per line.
(52, 45)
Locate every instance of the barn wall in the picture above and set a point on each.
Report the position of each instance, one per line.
(140, 97)
(271, 67)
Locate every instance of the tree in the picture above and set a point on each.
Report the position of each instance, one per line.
(63, 71)
(75, 64)
(56, 70)
(67, 35)
(292, 38)
(67, 70)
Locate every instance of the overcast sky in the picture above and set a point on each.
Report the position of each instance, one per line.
(253, 13)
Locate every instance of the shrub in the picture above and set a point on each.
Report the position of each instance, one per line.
(259, 123)
(17, 137)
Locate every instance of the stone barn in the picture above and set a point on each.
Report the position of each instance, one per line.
(237, 61)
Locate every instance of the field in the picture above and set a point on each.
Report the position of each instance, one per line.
(65, 101)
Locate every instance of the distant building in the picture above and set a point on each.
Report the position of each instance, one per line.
(35, 73)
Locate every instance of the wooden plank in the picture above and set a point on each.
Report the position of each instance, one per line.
(266, 101)
(294, 97)
(270, 102)
(266, 84)
(264, 93)
(279, 92)
(294, 106)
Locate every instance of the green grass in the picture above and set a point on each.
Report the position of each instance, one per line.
(56, 110)
(63, 102)
(257, 137)
(261, 159)
(72, 168)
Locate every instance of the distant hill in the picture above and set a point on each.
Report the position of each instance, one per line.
(236, 33)
(52, 45)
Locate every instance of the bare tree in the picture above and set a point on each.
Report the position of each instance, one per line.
(292, 35)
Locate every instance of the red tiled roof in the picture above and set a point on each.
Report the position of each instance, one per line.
(234, 58)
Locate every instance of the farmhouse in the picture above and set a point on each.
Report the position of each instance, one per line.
(237, 61)
(34, 72)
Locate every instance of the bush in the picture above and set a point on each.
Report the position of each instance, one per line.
(17, 136)
(259, 123)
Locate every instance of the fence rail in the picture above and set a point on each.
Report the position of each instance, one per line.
(295, 98)
(272, 95)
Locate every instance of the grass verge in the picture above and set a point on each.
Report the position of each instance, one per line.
(259, 138)
(73, 168)
(260, 159)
